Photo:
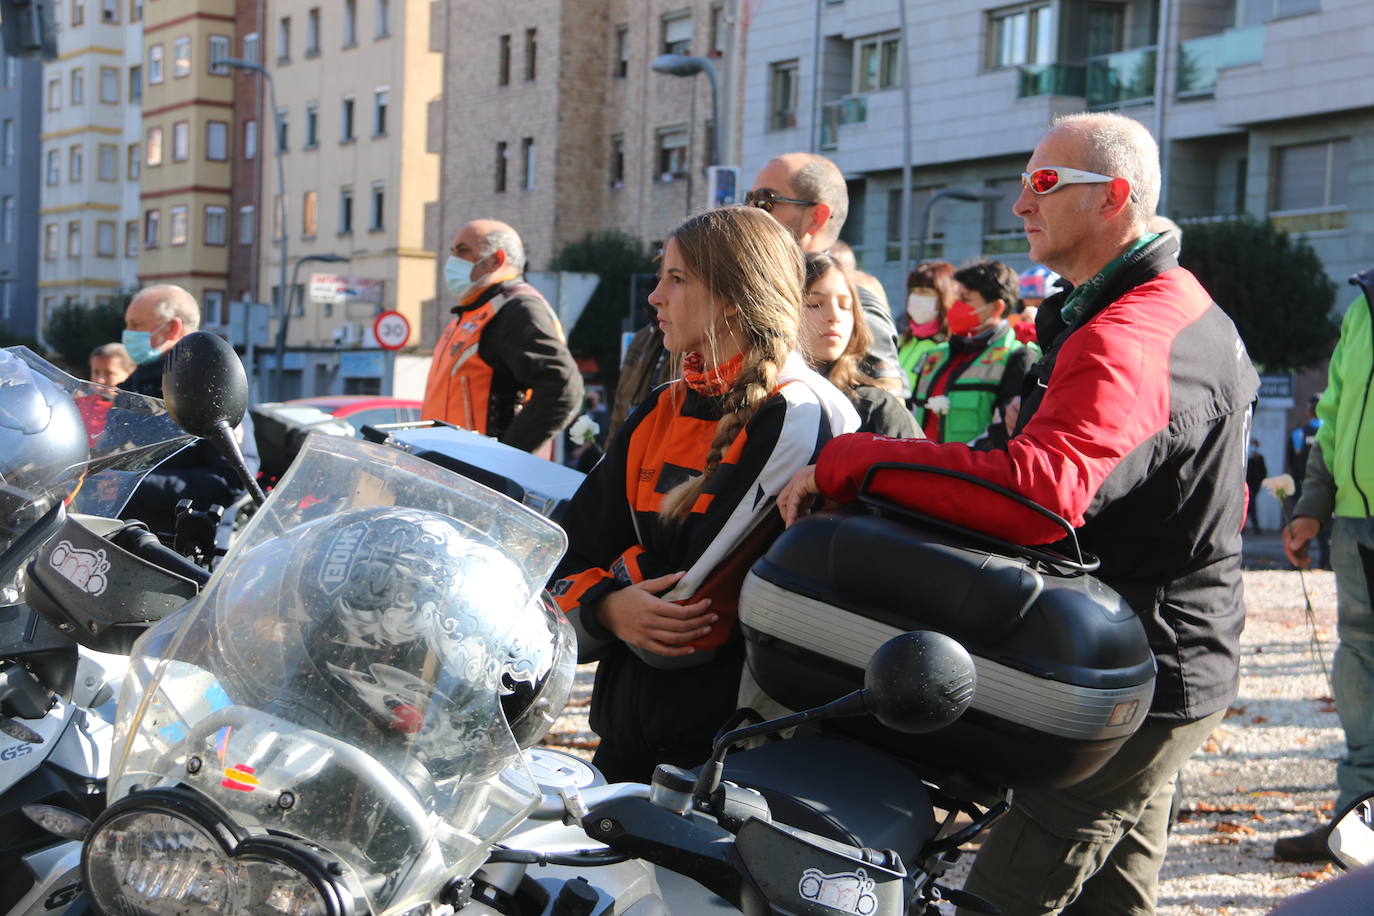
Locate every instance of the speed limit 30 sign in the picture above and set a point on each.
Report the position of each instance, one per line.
(391, 329)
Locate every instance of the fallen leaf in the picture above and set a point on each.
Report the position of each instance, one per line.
(1271, 793)
(1327, 806)
(1232, 827)
(1258, 817)
(1258, 719)
(1234, 711)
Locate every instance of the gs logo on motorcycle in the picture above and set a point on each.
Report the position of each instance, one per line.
(15, 751)
(848, 892)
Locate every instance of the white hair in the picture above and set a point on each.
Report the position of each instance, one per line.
(505, 240)
(1122, 147)
(171, 301)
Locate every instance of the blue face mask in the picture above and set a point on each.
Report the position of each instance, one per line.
(140, 345)
(458, 274)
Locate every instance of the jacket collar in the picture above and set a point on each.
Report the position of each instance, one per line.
(1140, 266)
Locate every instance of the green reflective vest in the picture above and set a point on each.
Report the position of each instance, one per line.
(972, 393)
(911, 354)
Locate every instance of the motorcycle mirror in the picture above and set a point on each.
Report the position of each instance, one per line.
(206, 392)
(919, 682)
(204, 384)
(1351, 838)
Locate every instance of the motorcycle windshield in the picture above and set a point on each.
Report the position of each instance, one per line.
(65, 439)
(341, 677)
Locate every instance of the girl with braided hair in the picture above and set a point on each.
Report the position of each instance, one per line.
(665, 526)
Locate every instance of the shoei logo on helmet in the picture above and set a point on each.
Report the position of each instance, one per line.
(339, 557)
(83, 568)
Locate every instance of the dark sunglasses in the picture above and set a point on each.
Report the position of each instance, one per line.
(765, 200)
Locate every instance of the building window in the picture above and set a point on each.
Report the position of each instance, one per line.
(1256, 12)
(377, 217)
(74, 238)
(131, 239)
(109, 11)
(178, 225)
(217, 141)
(350, 23)
(312, 125)
(250, 140)
(181, 57)
(1021, 35)
(620, 66)
(252, 48)
(528, 154)
(248, 224)
(380, 100)
(7, 221)
(217, 49)
(618, 161)
(1311, 186)
(153, 144)
(1003, 233)
(135, 84)
(54, 166)
(107, 162)
(7, 141)
(54, 94)
(135, 10)
(214, 226)
(503, 61)
(719, 29)
(877, 63)
(677, 33)
(346, 121)
(531, 52)
(78, 12)
(284, 40)
(782, 95)
(345, 211)
(109, 85)
(934, 242)
(312, 32)
(671, 159)
(51, 242)
(154, 65)
(383, 18)
(502, 155)
(181, 141)
(78, 86)
(212, 305)
(75, 159)
(283, 125)
(309, 206)
(152, 228)
(105, 242)
(135, 161)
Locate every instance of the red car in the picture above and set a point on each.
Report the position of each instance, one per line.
(361, 410)
(281, 427)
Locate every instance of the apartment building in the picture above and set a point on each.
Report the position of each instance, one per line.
(88, 217)
(552, 119)
(187, 135)
(1260, 107)
(21, 124)
(355, 80)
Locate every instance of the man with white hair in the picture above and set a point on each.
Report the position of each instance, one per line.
(1133, 427)
(501, 367)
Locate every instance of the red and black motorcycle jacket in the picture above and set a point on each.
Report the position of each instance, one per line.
(1133, 427)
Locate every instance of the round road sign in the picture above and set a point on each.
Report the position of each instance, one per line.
(392, 330)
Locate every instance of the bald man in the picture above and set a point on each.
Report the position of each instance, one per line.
(807, 194)
(501, 367)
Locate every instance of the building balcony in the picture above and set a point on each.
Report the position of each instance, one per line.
(1123, 78)
(1052, 79)
(1316, 219)
(1201, 59)
(852, 109)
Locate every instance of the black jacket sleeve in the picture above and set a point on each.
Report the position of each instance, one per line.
(524, 341)
(882, 413)
(881, 360)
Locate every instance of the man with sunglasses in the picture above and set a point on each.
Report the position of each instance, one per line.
(807, 194)
(1133, 427)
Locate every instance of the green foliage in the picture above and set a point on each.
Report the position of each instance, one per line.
(615, 257)
(1273, 286)
(74, 330)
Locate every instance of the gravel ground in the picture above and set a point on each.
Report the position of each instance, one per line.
(1266, 772)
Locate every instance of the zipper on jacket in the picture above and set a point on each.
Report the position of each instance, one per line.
(467, 403)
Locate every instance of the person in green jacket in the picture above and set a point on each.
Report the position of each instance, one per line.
(1340, 478)
(930, 290)
(964, 384)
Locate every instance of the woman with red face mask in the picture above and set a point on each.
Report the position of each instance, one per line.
(965, 384)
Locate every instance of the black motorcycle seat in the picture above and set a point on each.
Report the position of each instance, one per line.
(841, 790)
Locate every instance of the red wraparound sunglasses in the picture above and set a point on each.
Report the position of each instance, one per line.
(1052, 178)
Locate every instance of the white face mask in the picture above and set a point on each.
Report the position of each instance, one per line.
(458, 274)
(920, 307)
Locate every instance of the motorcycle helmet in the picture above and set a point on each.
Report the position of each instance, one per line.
(390, 627)
(43, 450)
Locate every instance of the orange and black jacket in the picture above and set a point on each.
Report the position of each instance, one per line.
(617, 536)
(502, 368)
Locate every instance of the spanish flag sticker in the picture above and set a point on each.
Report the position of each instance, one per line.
(240, 778)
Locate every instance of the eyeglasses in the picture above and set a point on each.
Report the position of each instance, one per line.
(765, 200)
(1052, 178)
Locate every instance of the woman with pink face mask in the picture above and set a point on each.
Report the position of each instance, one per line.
(964, 385)
(930, 290)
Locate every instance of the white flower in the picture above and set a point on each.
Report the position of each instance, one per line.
(584, 430)
(1281, 486)
(938, 404)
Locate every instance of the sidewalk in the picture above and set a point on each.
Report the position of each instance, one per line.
(1263, 550)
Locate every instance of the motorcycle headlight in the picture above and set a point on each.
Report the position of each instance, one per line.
(169, 853)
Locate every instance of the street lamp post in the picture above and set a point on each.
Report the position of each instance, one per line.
(686, 65)
(285, 322)
(967, 194)
(283, 304)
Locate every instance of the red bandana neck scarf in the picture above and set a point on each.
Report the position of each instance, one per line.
(711, 382)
